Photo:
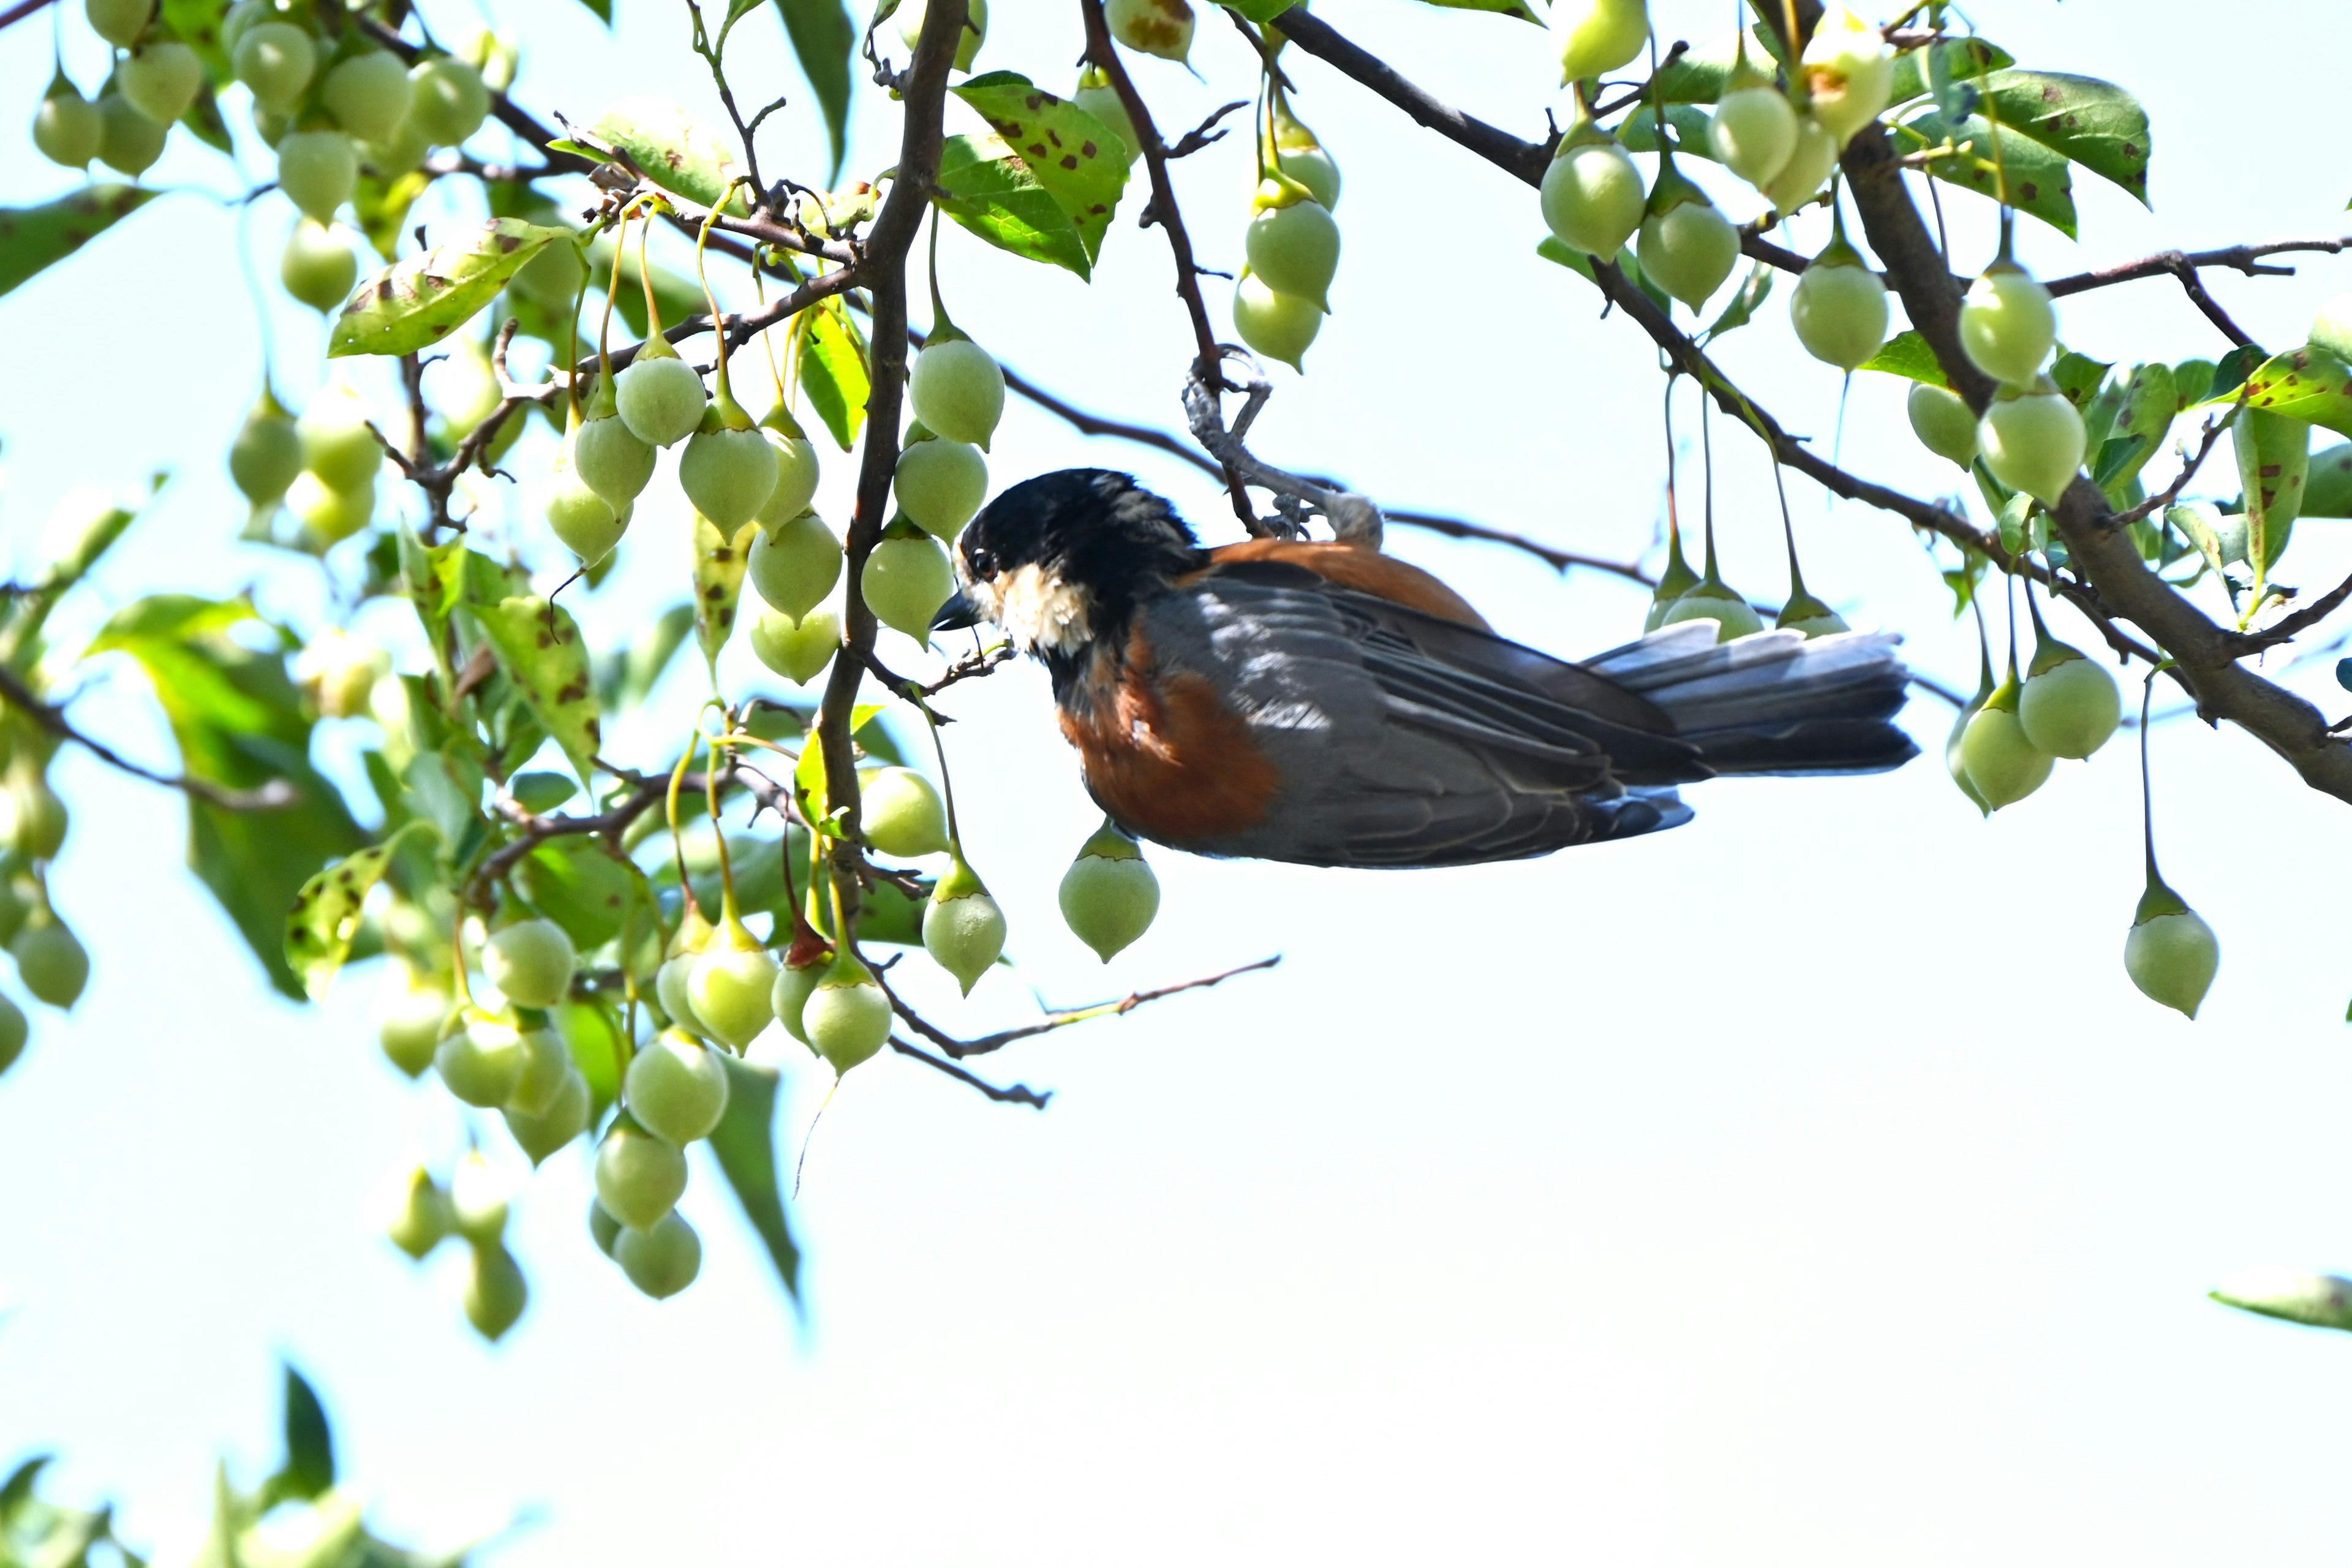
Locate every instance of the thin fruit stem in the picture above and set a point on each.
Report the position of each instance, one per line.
(718, 323)
(2147, 792)
(572, 378)
(612, 291)
(729, 913)
(1706, 466)
(947, 784)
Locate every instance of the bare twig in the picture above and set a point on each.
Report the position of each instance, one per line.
(2245, 258)
(2288, 627)
(959, 1049)
(1019, 1094)
(18, 12)
(275, 796)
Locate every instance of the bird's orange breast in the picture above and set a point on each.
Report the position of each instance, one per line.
(1167, 757)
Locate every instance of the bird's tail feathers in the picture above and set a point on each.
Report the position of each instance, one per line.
(1775, 701)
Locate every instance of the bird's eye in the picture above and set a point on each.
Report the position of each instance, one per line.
(981, 564)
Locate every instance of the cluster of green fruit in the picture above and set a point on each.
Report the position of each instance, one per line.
(2031, 439)
(51, 963)
(421, 1214)
(1292, 244)
(321, 468)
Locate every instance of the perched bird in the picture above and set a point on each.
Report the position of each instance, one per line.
(1326, 704)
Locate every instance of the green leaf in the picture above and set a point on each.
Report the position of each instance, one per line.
(1754, 290)
(414, 303)
(1704, 70)
(381, 206)
(824, 41)
(1966, 58)
(2310, 383)
(34, 238)
(674, 150)
(625, 679)
(309, 1466)
(1259, 11)
(539, 648)
(603, 9)
(2095, 123)
(833, 369)
(1551, 249)
(326, 913)
(2191, 380)
(581, 884)
(205, 122)
(2038, 181)
(2013, 522)
(2078, 377)
(1505, 7)
(2232, 373)
(1906, 354)
(2149, 405)
(992, 193)
(719, 565)
(1077, 160)
(2327, 492)
(1687, 121)
(591, 1032)
(745, 1144)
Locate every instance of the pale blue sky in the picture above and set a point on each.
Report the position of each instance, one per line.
(1806, 1185)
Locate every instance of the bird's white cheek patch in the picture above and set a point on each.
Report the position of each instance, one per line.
(1039, 611)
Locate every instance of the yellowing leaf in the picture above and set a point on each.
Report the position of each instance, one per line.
(326, 912)
(1077, 160)
(719, 563)
(414, 303)
(541, 650)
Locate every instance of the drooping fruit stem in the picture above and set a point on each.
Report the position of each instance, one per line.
(731, 413)
(729, 913)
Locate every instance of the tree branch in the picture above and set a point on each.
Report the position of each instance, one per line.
(1019, 1094)
(275, 796)
(958, 1050)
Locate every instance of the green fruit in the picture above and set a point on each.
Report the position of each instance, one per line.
(1753, 133)
(1110, 895)
(318, 169)
(2033, 441)
(956, 390)
(33, 818)
(939, 484)
(1294, 250)
(585, 521)
(799, 650)
(2003, 764)
(847, 1017)
(449, 101)
(482, 1062)
(794, 988)
(19, 896)
(267, 453)
(1955, 754)
(1828, 623)
(1839, 309)
(1733, 616)
(1596, 37)
(409, 1019)
(2008, 324)
(551, 279)
(796, 477)
(1312, 167)
(963, 929)
(671, 982)
(50, 960)
(394, 155)
(639, 1177)
(661, 1261)
(1850, 71)
(602, 1229)
(119, 22)
(317, 266)
(369, 94)
(728, 475)
(127, 139)
(1809, 166)
(161, 79)
(729, 988)
(15, 1030)
(612, 460)
(793, 566)
(565, 1118)
(1944, 422)
(901, 814)
(2273, 466)
(2320, 1301)
(2069, 706)
(240, 19)
(1279, 326)
(496, 1292)
(660, 398)
(1095, 95)
(905, 582)
(276, 61)
(1161, 27)
(337, 445)
(530, 963)
(477, 1201)
(68, 127)
(910, 15)
(677, 1087)
(2171, 953)
(2332, 328)
(1688, 250)
(546, 1063)
(331, 515)
(417, 1216)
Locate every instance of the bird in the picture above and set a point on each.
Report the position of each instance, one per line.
(1325, 704)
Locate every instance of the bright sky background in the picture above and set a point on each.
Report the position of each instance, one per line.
(1807, 1185)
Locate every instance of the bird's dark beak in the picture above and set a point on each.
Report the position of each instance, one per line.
(957, 614)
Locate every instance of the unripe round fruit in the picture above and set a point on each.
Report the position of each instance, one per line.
(905, 583)
(161, 80)
(670, 982)
(660, 399)
(796, 477)
(2002, 764)
(119, 22)
(448, 102)
(482, 1063)
(276, 59)
(2007, 324)
(369, 94)
(964, 935)
(331, 515)
(1733, 616)
(239, 18)
(32, 817)
(2069, 709)
(847, 1019)
(417, 1214)
(1753, 132)
(1839, 314)
(1295, 249)
(793, 566)
(67, 129)
(318, 169)
(1279, 326)
(2032, 443)
(1108, 901)
(1593, 198)
(565, 1118)
(1809, 166)
(1161, 27)
(909, 17)
(939, 485)
(2172, 958)
(602, 1229)
(901, 814)
(728, 987)
(266, 454)
(956, 390)
(1827, 624)
(582, 520)
(1851, 72)
(337, 445)
(677, 1087)
(530, 963)
(794, 988)
(1311, 166)
(18, 896)
(127, 139)
(1096, 96)
(551, 280)
(15, 1030)
(409, 1020)
(477, 1201)
(496, 1292)
(2330, 329)
(1595, 37)
(612, 459)
(639, 1177)
(50, 960)
(1689, 249)
(546, 1063)
(661, 1261)
(728, 475)
(1944, 422)
(317, 266)
(337, 672)
(799, 650)
(393, 155)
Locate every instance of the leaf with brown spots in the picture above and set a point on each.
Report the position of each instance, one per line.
(2039, 180)
(326, 912)
(416, 302)
(1081, 165)
(2095, 123)
(676, 152)
(719, 563)
(992, 193)
(33, 238)
(2309, 384)
(544, 658)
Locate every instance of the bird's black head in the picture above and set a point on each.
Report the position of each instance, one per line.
(1059, 561)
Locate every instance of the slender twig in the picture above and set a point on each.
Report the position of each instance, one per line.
(18, 12)
(275, 796)
(2245, 258)
(1062, 1020)
(2287, 627)
(1019, 1094)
